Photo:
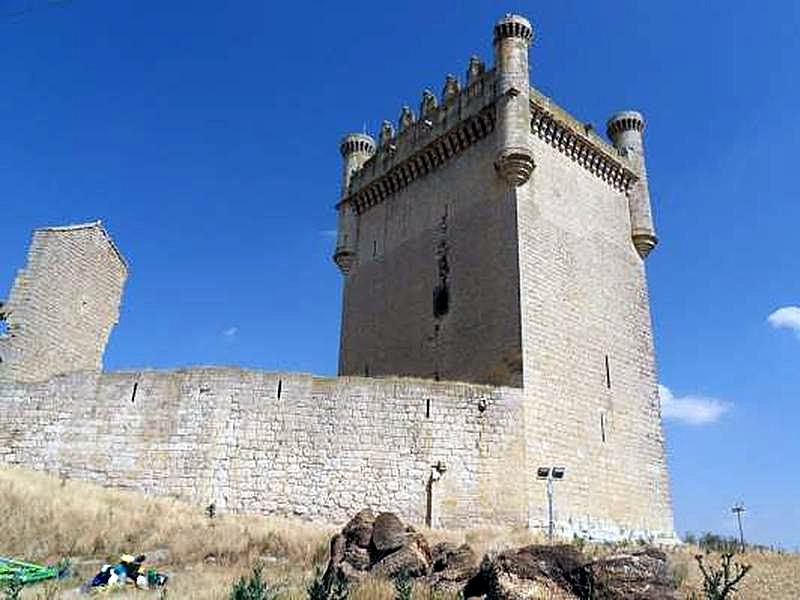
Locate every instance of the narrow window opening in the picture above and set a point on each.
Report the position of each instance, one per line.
(133, 394)
(428, 408)
(603, 427)
(366, 370)
(280, 388)
(374, 248)
(608, 374)
(441, 301)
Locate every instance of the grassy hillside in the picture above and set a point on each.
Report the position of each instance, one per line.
(44, 519)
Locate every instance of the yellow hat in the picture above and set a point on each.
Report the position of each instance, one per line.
(126, 558)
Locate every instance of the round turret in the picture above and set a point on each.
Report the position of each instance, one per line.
(512, 36)
(513, 26)
(625, 130)
(356, 142)
(356, 149)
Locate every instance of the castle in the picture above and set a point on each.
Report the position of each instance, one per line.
(495, 321)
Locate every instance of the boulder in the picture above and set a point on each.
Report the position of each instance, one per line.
(358, 530)
(388, 533)
(407, 558)
(452, 566)
(638, 575)
(532, 573)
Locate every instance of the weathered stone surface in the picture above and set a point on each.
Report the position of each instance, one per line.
(563, 573)
(406, 558)
(63, 304)
(532, 573)
(388, 533)
(639, 575)
(393, 547)
(452, 566)
(358, 530)
(357, 557)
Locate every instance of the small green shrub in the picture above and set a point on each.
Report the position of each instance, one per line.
(336, 588)
(403, 586)
(12, 589)
(254, 587)
(316, 588)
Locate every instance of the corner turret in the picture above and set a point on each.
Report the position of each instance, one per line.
(356, 149)
(625, 131)
(512, 37)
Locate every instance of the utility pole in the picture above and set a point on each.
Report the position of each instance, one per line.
(738, 509)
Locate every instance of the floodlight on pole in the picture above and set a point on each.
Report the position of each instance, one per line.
(549, 475)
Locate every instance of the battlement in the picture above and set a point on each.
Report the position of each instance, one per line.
(468, 116)
(463, 117)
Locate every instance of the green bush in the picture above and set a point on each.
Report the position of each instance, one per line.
(337, 588)
(254, 587)
(403, 586)
(12, 589)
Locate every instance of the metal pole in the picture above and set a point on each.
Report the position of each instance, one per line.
(739, 509)
(550, 507)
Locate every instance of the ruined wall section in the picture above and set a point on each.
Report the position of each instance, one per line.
(589, 365)
(63, 304)
(279, 443)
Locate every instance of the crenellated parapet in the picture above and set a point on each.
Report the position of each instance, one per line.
(498, 100)
(446, 126)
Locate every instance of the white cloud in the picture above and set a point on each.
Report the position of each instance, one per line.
(691, 410)
(787, 317)
(230, 332)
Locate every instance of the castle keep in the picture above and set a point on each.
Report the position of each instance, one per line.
(495, 320)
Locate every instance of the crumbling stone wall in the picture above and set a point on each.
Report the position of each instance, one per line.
(63, 304)
(279, 443)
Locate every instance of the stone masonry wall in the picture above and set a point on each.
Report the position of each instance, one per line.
(63, 304)
(589, 365)
(445, 239)
(282, 443)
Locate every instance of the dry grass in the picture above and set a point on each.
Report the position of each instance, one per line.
(44, 519)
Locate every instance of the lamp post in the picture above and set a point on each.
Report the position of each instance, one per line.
(738, 509)
(549, 475)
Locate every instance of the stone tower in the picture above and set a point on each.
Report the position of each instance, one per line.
(494, 238)
(63, 305)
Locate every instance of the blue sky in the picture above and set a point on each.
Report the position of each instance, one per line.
(205, 135)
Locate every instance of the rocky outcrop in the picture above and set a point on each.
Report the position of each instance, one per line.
(639, 575)
(562, 573)
(383, 545)
(452, 566)
(531, 573)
